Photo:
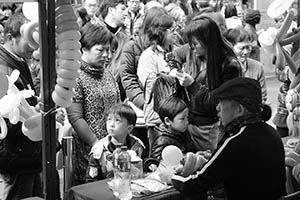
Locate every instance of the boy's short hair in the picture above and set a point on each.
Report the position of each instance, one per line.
(170, 107)
(124, 110)
(105, 4)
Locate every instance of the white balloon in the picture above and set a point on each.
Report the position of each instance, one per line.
(13, 77)
(278, 7)
(14, 115)
(171, 155)
(3, 128)
(31, 10)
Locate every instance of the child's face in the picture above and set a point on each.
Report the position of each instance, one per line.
(180, 121)
(117, 126)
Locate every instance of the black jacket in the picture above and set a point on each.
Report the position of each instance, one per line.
(128, 70)
(18, 154)
(202, 107)
(165, 138)
(250, 164)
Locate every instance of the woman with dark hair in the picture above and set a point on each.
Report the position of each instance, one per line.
(130, 56)
(82, 16)
(95, 92)
(151, 63)
(129, 63)
(208, 61)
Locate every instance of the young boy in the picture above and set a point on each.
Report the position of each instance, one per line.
(174, 113)
(120, 122)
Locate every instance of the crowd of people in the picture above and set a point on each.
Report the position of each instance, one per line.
(200, 59)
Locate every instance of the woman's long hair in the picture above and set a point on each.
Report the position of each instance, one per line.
(207, 32)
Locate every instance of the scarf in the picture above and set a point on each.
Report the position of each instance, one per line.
(94, 71)
(234, 127)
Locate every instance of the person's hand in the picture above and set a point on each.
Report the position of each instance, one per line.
(184, 78)
(178, 169)
(166, 174)
(206, 154)
(38, 106)
(60, 116)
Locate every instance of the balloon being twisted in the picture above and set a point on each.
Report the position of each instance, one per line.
(12, 102)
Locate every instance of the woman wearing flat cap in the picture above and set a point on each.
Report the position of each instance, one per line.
(250, 161)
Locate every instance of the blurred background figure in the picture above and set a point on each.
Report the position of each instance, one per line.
(82, 16)
(242, 45)
(175, 11)
(91, 7)
(134, 18)
(251, 19)
(231, 18)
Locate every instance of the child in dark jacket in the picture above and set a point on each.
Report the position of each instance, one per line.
(119, 124)
(174, 113)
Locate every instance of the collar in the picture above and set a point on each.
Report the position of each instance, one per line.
(14, 55)
(233, 127)
(136, 15)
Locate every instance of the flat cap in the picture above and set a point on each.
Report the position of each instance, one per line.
(246, 91)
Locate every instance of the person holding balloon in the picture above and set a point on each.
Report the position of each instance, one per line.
(20, 157)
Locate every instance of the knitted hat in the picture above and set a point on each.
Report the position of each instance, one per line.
(252, 16)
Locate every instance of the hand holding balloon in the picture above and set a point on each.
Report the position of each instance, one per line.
(12, 103)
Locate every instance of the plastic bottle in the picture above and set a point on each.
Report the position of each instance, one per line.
(122, 174)
(115, 156)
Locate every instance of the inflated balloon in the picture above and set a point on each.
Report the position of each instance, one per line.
(31, 10)
(278, 7)
(171, 155)
(3, 128)
(68, 52)
(267, 39)
(13, 104)
(274, 45)
(30, 32)
(291, 99)
(67, 42)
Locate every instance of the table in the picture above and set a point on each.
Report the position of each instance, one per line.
(99, 190)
